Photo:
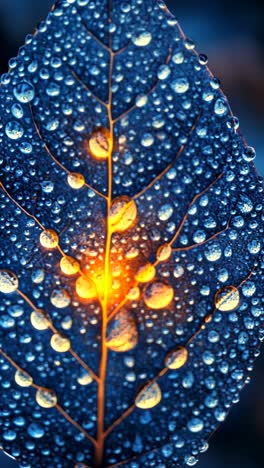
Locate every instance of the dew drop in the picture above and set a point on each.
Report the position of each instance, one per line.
(123, 214)
(133, 294)
(46, 398)
(69, 266)
(8, 282)
(84, 378)
(59, 343)
(165, 212)
(143, 39)
(39, 320)
(145, 273)
(149, 397)
(176, 358)
(14, 130)
(49, 239)
(180, 86)
(35, 430)
(227, 299)
(164, 252)
(100, 144)
(213, 252)
(158, 295)
(122, 333)
(76, 181)
(24, 92)
(220, 107)
(38, 276)
(60, 298)
(23, 379)
(195, 425)
(85, 288)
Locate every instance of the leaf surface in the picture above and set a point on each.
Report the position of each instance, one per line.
(131, 259)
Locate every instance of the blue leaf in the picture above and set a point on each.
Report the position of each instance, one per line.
(131, 272)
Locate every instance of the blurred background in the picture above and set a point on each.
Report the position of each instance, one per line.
(232, 35)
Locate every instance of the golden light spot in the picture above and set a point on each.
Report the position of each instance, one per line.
(133, 294)
(8, 282)
(69, 266)
(164, 252)
(227, 299)
(39, 320)
(176, 358)
(123, 214)
(145, 273)
(100, 144)
(149, 396)
(158, 295)
(60, 298)
(23, 379)
(76, 181)
(46, 398)
(85, 379)
(60, 343)
(122, 333)
(85, 288)
(49, 239)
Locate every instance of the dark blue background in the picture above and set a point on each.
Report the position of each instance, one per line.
(232, 35)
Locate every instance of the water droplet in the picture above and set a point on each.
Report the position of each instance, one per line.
(100, 144)
(36, 430)
(227, 299)
(8, 282)
(60, 298)
(143, 39)
(133, 294)
(38, 276)
(123, 214)
(49, 239)
(14, 130)
(69, 266)
(158, 295)
(122, 333)
(149, 396)
(147, 140)
(60, 343)
(17, 111)
(164, 252)
(176, 358)
(213, 252)
(84, 378)
(220, 107)
(85, 288)
(141, 100)
(23, 379)
(249, 154)
(165, 212)
(195, 425)
(24, 92)
(164, 72)
(39, 320)
(145, 273)
(46, 398)
(76, 181)
(180, 86)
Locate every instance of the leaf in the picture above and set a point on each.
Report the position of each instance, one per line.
(131, 270)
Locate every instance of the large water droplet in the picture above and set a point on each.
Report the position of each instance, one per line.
(180, 85)
(158, 295)
(227, 299)
(123, 214)
(69, 266)
(14, 130)
(8, 282)
(24, 92)
(149, 396)
(176, 358)
(60, 343)
(49, 239)
(36, 430)
(122, 333)
(60, 298)
(100, 143)
(85, 288)
(39, 320)
(23, 379)
(145, 273)
(143, 39)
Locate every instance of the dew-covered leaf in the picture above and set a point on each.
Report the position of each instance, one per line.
(131, 274)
